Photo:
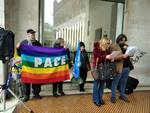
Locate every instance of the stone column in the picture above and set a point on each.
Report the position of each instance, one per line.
(20, 16)
(80, 31)
(2, 24)
(2, 14)
(137, 29)
(119, 19)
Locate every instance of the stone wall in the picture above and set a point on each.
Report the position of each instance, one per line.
(2, 24)
(104, 15)
(137, 28)
(100, 17)
(21, 15)
(2, 18)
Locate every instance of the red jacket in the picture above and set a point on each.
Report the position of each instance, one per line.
(99, 56)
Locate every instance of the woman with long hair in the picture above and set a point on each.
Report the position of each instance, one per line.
(101, 53)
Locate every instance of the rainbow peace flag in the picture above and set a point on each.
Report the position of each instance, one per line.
(43, 64)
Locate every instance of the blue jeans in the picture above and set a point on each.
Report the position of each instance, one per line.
(121, 80)
(98, 90)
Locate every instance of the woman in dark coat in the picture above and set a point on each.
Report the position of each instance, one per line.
(59, 85)
(84, 65)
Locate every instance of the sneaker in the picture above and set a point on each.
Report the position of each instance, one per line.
(25, 99)
(124, 98)
(37, 97)
(113, 100)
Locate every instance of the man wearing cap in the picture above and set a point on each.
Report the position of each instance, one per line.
(31, 40)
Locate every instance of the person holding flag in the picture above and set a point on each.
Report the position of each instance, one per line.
(58, 86)
(76, 62)
(31, 40)
(81, 65)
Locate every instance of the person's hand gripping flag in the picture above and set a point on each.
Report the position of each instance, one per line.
(76, 70)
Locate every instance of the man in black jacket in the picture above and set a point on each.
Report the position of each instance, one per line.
(36, 87)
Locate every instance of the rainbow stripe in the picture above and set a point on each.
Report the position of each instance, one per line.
(43, 65)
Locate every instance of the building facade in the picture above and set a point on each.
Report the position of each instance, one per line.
(87, 20)
(70, 18)
(19, 15)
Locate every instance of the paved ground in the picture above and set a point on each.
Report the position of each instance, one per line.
(139, 103)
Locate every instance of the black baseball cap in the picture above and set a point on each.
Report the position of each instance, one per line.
(30, 31)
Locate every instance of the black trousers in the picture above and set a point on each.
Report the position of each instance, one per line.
(57, 86)
(35, 87)
(83, 75)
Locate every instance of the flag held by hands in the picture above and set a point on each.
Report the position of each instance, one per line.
(76, 70)
(43, 64)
